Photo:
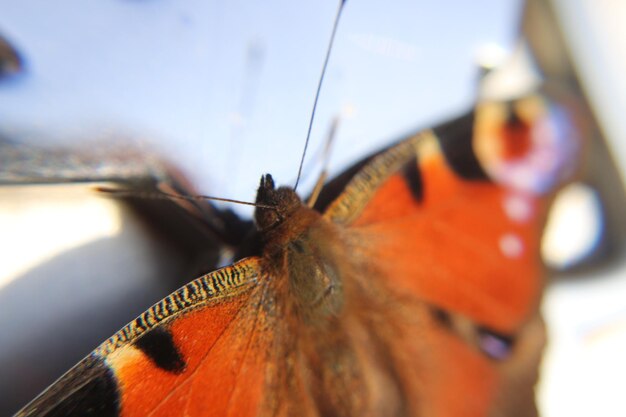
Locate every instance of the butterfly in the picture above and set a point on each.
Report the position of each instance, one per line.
(411, 287)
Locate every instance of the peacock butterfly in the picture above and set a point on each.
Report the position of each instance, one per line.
(414, 291)
(411, 288)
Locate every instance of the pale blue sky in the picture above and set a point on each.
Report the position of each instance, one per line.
(224, 89)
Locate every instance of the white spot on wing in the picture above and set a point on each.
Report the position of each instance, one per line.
(511, 245)
(575, 226)
(518, 208)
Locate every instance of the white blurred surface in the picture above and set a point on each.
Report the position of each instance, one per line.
(584, 371)
(584, 368)
(575, 227)
(596, 37)
(78, 220)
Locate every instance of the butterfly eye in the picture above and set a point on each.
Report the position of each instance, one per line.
(494, 345)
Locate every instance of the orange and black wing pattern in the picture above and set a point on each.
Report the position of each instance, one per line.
(158, 362)
(415, 293)
(448, 225)
(467, 199)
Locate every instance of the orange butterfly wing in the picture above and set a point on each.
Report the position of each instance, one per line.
(216, 361)
(189, 354)
(450, 247)
(441, 223)
(440, 227)
(417, 257)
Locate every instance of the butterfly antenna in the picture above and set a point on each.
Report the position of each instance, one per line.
(160, 195)
(326, 157)
(319, 88)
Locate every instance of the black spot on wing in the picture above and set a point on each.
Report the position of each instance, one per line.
(413, 177)
(89, 389)
(494, 345)
(455, 139)
(442, 317)
(158, 345)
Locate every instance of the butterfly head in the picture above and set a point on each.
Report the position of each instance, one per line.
(277, 204)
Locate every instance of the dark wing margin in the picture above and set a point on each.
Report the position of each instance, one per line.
(366, 182)
(456, 142)
(88, 389)
(91, 388)
(223, 283)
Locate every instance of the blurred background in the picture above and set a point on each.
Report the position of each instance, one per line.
(210, 95)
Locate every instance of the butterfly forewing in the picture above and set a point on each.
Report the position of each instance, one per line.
(414, 293)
